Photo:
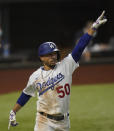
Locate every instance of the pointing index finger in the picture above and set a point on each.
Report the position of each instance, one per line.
(102, 15)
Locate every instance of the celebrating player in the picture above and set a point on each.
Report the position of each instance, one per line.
(52, 82)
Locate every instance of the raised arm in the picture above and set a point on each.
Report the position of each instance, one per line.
(84, 40)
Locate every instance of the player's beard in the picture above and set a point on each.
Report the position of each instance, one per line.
(51, 64)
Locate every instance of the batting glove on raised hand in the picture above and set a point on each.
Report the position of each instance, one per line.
(101, 20)
(12, 119)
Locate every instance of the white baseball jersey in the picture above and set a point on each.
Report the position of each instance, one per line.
(53, 86)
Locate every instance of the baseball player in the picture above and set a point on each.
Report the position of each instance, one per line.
(52, 82)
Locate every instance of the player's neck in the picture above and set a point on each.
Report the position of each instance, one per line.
(46, 67)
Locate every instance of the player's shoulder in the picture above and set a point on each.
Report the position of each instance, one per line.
(64, 60)
(67, 58)
(35, 74)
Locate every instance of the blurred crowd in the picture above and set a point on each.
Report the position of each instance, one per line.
(93, 47)
(4, 46)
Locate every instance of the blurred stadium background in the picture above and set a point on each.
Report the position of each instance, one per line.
(25, 24)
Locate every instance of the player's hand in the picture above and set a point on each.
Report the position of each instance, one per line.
(12, 119)
(101, 20)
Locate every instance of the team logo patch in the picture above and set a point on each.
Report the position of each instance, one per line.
(52, 45)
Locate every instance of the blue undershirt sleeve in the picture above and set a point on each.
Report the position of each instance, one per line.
(78, 49)
(22, 100)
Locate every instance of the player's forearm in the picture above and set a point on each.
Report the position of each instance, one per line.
(91, 31)
(17, 107)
